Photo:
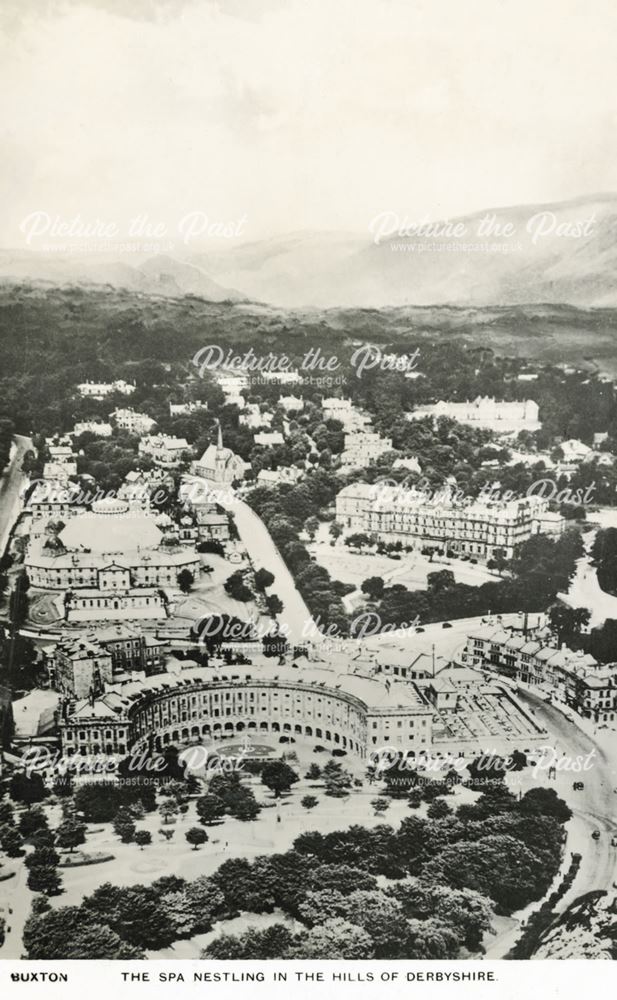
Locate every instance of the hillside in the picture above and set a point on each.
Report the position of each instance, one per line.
(563, 252)
(587, 929)
(541, 264)
(169, 327)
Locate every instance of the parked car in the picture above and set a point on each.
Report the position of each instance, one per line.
(446, 625)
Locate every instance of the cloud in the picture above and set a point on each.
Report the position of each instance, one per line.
(303, 115)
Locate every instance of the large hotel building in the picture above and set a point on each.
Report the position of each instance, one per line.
(478, 529)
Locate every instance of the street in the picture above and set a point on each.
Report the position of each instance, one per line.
(11, 489)
(264, 553)
(593, 808)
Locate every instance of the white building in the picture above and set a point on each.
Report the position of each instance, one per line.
(98, 427)
(411, 464)
(478, 529)
(343, 410)
(111, 563)
(253, 418)
(59, 472)
(219, 465)
(275, 477)
(52, 500)
(234, 399)
(185, 409)
(139, 487)
(503, 417)
(282, 378)
(291, 403)
(136, 423)
(329, 702)
(575, 451)
(232, 383)
(62, 454)
(98, 390)
(362, 448)
(269, 438)
(166, 451)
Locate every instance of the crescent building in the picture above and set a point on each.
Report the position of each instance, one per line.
(356, 710)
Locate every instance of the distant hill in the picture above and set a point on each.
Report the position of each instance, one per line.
(161, 275)
(328, 270)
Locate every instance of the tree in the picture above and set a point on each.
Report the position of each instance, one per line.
(11, 841)
(466, 911)
(237, 588)
(168, 810)
(143, 838)
(380, 805)
(499, 866)
(196, 836)
(545, 802)
(334, 940)
(70, 834)
(278, 776)
(314, 772)
(27, 788)
(373, 586)
(7, 814)
(275, 942)
(337, 781)
(309, 802)
(439, 809)
(500, 560)
(335, 530)
(98, 802)
(568, 623)
(440, 580)
(124, 825)
(244, 806)
(263, 579)
(44, 879)
(358, 540)
(134, 913)
(71, 933)
(431, 940)
(32, 821)
(185, 580)
(43, 838)
(274, 605)
(42, 857)
(210, 808)
(311, 526)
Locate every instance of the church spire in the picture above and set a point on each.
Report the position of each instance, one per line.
(219, 439)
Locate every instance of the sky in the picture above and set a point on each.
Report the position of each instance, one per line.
(287, 115)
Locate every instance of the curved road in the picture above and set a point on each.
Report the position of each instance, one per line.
(264, 553)
(11, 488)
(594, 808)
(586, 592)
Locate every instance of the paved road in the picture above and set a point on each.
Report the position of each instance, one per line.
(586, 592)
(11, 488)
(595, 808)
(264, 553)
